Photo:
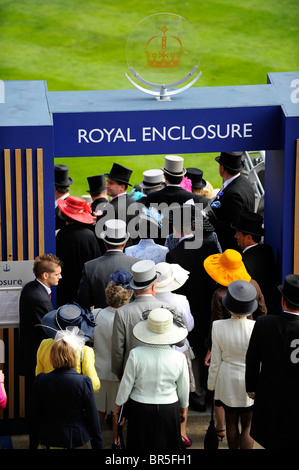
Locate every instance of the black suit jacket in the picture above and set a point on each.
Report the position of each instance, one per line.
(75, 245)
(260, 263)
(34, 304)
(96, 276)
(63, 411)
(237, 198)
(199, 287)
(272, 363)
(171, 194)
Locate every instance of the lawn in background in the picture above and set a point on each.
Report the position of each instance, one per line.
(80, 45)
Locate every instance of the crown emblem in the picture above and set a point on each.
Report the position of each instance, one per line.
(163, 58)
(6, 268)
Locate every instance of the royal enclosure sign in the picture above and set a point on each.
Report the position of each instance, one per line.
(192, 130)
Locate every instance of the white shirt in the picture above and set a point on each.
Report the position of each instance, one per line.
(48, 289)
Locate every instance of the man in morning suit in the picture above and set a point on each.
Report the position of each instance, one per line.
(96, 273)
(271, 376)
(258, 257)
(198, 289)
(235, 197)
(62, 182)
(126, 317)
(174, 172)
(121, 206)
(35, 302)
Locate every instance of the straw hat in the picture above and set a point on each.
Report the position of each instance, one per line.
(172, 277)
(240, 298)
(159, 328)
(76, 208)
(226, 267)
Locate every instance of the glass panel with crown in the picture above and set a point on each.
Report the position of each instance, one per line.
(163, 54)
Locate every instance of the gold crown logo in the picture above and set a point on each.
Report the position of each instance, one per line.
(162, 58)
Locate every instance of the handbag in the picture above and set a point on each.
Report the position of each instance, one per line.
(211, 441)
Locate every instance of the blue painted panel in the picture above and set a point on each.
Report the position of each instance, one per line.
(150, 132)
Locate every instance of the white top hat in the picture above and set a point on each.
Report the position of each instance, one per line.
(172, 277)
(174, 165)
(152, 179)
(115, 232)
(159, 328)
(144, 274)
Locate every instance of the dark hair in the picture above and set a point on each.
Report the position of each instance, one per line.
(62, 189)
(290, 306)
(173, 179)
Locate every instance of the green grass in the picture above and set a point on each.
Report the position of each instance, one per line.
(80, 45)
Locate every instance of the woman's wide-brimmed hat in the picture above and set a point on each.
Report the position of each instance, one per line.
(61, 176)
(290, 289)
(76, 208)
(172, 277)
(160, 328)
(174, 165)
(66, 316)
(120, 173)
(152, 179)
(115, 232)
(240, 298)
(250, 223)
(231, 161)
(96, 183)
(226, 267)
(144, 274)
(195, 175)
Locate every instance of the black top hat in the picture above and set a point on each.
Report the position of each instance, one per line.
(240, 298)
(61, 175)
(96, 183)
(250, 223)
(231, 161)
(195, 175)
(120, 173)
(290, 289)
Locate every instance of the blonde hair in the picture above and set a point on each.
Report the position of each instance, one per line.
(62, 355)
(117, 296)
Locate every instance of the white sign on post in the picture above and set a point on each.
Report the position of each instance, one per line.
(13, 276)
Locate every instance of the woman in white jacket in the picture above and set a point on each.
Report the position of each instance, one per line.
(230, 338)
(155, 385)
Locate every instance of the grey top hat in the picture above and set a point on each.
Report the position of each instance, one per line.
(96, 183)
(240, 298)
(290, 289)
(152, 179)
(231, 161)
(144, 274)
(120, 173)
(115, 232)
(61, 175)
(174, 165)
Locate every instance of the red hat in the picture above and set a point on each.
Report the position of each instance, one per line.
(76, 208)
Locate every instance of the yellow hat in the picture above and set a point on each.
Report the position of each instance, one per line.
(226, 267)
